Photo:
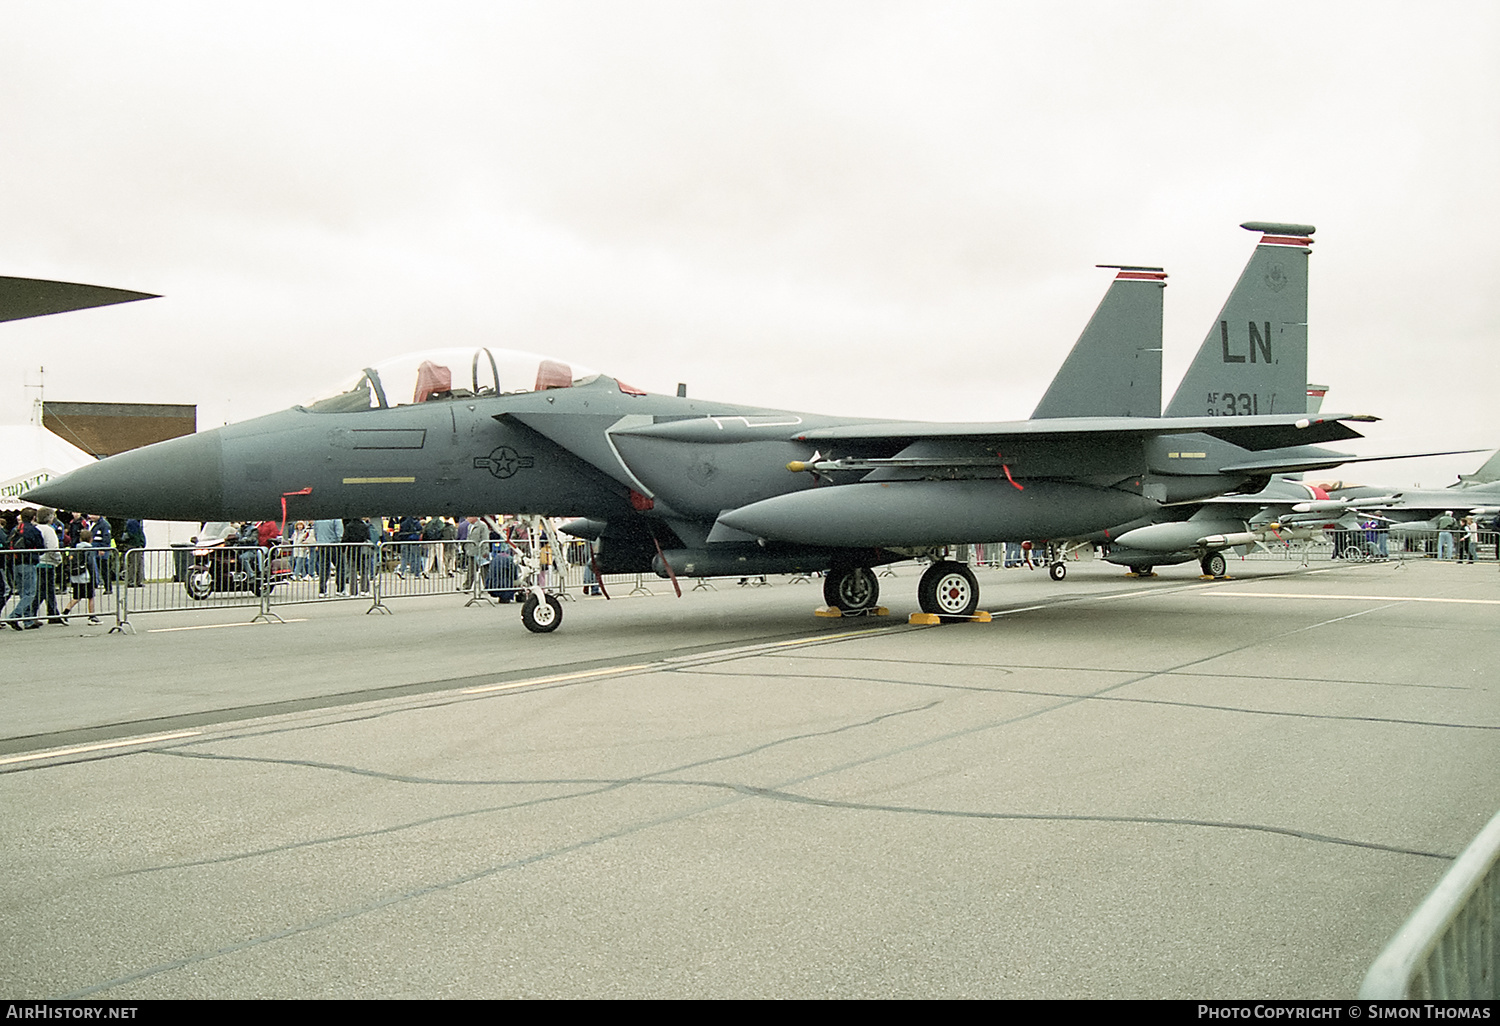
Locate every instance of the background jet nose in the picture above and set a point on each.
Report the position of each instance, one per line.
(179, 479)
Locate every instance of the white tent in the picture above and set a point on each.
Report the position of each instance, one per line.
(29, 455)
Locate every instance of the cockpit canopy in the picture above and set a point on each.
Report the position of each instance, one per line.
(435, 375)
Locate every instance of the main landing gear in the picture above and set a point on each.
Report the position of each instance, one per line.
(851, 589)
(1213, 564)
(948, 588)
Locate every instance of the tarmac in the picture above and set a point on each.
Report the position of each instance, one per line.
(1164, 788)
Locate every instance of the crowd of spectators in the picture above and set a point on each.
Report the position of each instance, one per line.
(341, 555)
(49, 556)
(53, 564)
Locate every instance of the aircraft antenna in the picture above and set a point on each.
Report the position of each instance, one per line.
(36, 404)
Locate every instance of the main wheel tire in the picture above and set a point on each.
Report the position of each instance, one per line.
(1141, 570)
(541, 617)
(851, 589)
(948, 588)
(1057, 571)
(199, 583)
(1213, 564)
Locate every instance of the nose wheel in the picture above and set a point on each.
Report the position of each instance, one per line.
(541, 615)
(948, 588)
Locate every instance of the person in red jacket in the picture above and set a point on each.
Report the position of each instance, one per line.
(267, 532)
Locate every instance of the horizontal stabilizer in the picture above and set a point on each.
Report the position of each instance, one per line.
(1326, 462)
(34, 297)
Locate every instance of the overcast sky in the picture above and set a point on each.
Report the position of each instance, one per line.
(879, 209)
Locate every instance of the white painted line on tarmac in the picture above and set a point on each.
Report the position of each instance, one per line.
(101, 746)
(216, 626)
(1013, 612)
(821, 637)
(1174, 589)
(766, 647)
(1353, 598)
(701, 656)
(485, 689)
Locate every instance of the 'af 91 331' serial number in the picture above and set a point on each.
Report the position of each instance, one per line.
(1233, 404)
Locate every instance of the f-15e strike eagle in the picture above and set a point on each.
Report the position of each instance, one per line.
(691, 487)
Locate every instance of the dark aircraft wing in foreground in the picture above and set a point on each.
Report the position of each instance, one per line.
(695, 488)
(34, 297)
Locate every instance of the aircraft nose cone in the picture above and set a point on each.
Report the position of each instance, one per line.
(179, 479)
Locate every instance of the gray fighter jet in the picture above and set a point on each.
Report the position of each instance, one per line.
(690, 487)
(1418, 509)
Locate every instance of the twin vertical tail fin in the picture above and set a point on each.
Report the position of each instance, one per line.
(1114, 369)
(1254, 359)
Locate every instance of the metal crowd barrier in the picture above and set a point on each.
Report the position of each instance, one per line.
(1450, 947)
(187, 577)
(165, 580)
(1431, 545)
(177, 579)
(323, 572)
(79, 571)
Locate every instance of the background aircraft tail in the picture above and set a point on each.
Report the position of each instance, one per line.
(1114, 369)
(1254, 358)
(1486, 474)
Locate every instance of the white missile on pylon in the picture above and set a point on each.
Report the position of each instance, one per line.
(1275, 532)
(1175, 537)
(1321, 506)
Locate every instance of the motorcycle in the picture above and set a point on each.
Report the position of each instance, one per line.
(220, 566)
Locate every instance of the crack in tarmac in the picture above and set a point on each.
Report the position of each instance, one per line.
(1115, 698)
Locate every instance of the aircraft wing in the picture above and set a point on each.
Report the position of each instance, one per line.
(34, 297)
(1255, 433)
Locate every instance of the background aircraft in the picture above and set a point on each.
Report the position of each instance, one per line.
(1417, 509)
(1488, 473)
(691, 487)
